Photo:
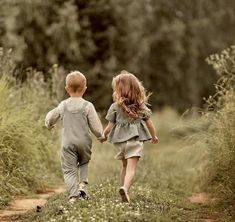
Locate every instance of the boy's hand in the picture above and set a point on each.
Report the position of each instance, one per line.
(154, 140)
(102, 139)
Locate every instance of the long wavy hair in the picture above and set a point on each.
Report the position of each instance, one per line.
(129, 94)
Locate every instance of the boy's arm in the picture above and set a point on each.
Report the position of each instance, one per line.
(94, 122)
(152, 131)
(52, 117)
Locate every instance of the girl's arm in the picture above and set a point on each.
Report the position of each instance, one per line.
(106, 132)
(152, 131)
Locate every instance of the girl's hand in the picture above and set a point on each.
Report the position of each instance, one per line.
(154, 140)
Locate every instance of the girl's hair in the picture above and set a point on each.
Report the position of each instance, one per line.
(129, 94)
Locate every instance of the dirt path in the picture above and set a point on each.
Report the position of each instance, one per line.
(201, 198)
(22, 205)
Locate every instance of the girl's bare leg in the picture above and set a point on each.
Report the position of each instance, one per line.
(130, 172)
(123, 171)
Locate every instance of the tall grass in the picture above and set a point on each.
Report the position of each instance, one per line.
(218, 175)
(221, 135)
(28, 159)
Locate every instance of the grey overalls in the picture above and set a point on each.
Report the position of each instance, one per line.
(76, 147)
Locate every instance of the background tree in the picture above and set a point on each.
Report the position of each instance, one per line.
(163, 42)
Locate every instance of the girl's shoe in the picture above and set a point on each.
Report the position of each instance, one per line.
(124, 195)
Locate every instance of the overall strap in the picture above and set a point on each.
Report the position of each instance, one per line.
(64, 107)
(85, 104)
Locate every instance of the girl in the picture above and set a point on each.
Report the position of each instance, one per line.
(129, 126)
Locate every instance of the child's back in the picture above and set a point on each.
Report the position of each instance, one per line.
(129, 126)
(76, 126)
(79, 119)
(124, 128)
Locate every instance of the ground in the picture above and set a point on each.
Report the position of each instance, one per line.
(164, 189)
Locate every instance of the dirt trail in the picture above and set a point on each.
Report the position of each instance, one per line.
(22, 205)
(201, 198)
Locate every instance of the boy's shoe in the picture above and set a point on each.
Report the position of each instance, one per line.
(83, 196)
(72, 200)
(82, 188)
(125, 197)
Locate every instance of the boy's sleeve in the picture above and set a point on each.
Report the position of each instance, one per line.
(53, 116)
(94, 121)
(111, 114)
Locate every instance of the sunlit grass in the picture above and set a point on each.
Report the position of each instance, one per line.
(168, 174)
(162, 185)
(28, 162)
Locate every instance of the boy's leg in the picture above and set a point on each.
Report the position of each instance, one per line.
(84, 173)
(82, 187)
(130, 172)
(123, 171)
(69, 163)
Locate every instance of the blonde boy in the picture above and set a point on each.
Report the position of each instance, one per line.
(78, 117)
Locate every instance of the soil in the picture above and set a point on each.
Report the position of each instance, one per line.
(21, 205)
(200, 198)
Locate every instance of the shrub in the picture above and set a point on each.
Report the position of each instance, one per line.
(220, 136)
(27, 160)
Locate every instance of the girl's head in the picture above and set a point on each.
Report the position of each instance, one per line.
(129, 94)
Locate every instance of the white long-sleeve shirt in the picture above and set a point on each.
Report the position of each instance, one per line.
(72, 104)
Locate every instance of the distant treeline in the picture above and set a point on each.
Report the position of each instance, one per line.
(163, 42)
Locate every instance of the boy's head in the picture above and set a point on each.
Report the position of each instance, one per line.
(75, 82)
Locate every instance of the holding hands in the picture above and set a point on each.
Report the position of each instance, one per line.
(102, 139)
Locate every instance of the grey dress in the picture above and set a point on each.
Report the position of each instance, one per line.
(124, 128)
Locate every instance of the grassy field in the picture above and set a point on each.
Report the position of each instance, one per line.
(168, 175)
(27, 162)
(195, 155)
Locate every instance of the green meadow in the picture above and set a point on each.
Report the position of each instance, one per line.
(183, 52)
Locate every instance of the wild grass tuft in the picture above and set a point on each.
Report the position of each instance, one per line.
(28, 158)
(221, 135)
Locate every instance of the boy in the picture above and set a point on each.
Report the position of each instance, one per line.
(78, 117)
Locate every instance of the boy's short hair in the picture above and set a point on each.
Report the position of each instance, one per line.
(76, 81)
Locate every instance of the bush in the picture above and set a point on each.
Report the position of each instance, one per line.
(28, 160)
(220, 136)
(163, 42)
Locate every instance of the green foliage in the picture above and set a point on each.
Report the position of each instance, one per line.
(182, 35)
(220, 137)
(163, 42)
(40, 32)
(28, 157)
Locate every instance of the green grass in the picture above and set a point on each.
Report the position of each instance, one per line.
(168, 174)
(27, 151)
(164, 182)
